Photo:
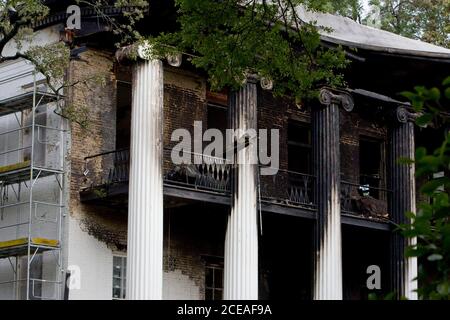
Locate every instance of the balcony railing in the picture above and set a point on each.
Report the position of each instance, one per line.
(107, 168)
(213, 174)
(200, 172)
(364, 200)
(288, 188)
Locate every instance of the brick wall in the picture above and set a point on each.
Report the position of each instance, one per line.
(106, 225)
(275, 113)
(192, 234)
(184, 102)
(354, 125)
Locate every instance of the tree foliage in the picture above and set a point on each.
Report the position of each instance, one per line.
(231, 39)
(431, 223)
(426, 20)
(17, 18)
(352, 9)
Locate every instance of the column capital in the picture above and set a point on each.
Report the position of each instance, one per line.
(252, 78)
(342, 99)
(136, 51)
(403, 115)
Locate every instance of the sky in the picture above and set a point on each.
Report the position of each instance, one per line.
(365, 4)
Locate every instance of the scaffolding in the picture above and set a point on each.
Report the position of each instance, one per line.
(32, 196)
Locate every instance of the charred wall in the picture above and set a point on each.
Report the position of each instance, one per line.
(98, 96)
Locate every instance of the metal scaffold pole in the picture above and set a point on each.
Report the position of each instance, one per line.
(33, 170)
(33, 122)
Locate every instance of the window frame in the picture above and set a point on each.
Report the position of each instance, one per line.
(216, 264)
(300, 145)
(382, 164)
(122, 277)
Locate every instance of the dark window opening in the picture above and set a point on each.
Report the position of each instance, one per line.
(123, 117)
(213, 281)
(217, 118)
(299, 147)
(370, 166)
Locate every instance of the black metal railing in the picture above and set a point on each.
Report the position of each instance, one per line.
(289, 188)
(107, 168)
(365, 200)
(198, 171)
(207, 173)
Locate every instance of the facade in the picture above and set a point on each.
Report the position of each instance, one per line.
(104, 213)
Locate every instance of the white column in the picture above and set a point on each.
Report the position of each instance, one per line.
(326, 149)
(403, 199)
(145, 207)
(241, 241)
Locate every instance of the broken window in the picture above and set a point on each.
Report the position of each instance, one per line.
(119, 277)
(370, 166)
(299, 147)
(214, 281)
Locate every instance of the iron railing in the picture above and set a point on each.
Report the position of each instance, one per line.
(365, 200)
(207, 173)
(107, 168)
(198, 171)
(289, 188)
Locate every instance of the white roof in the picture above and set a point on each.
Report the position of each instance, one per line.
(347, 32)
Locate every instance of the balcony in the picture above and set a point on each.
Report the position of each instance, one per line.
(106, 174)
(364, 201)
(106, 179)
(288, 188)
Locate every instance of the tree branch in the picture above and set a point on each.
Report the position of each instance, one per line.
(12, 34)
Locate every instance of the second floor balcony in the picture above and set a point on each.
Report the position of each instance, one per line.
(106, 178)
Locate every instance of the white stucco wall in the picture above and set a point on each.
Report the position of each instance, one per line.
(177, 286)
(16, 74)
(95, 262)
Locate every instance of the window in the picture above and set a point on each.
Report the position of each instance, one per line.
(370, 165)
(217, 117)
(123, 115)
(213, 282)
(299, 147)
(119, 277)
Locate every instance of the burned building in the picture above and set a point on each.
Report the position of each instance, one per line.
(92, 213)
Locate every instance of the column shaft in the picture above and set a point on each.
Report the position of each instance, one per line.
(403, 199)
(328, 262)
(241, 241)
(145, 207)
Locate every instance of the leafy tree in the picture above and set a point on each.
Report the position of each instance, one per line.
(229, 39)
(426, 20)
(431, 223)
(51, 60)
(347, 8)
